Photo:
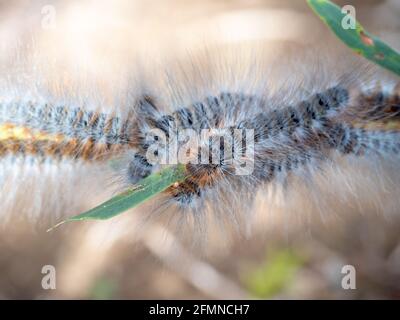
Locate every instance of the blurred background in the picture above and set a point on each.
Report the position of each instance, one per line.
(296, 257)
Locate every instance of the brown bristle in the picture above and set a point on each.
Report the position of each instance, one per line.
(198, 179)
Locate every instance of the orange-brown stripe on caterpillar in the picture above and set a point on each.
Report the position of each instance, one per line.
(197, 181)
(18, 140)
(47, 130)
(375, 108)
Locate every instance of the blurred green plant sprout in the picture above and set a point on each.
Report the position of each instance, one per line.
(274, 274)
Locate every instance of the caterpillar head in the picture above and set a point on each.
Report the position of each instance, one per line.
(234, 140)
(213, 155)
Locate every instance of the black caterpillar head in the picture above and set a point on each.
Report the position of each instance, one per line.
(234, 138)
(191, 136)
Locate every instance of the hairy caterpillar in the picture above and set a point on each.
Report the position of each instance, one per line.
(289, 139)
(286, 139)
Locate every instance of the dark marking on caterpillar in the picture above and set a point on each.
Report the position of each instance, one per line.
(73, 123)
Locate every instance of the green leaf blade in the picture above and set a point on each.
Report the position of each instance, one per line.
(145, 189)
(358, 39)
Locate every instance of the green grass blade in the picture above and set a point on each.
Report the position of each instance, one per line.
(357, 39)
(144, 190)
